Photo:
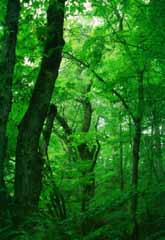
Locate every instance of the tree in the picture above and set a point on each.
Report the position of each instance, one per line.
(29, 164)
(7, 63)
(82, 123)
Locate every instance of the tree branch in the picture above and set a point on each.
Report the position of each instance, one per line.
(64, 124)
(101, 79)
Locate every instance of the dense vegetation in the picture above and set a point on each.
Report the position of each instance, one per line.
(82, 112)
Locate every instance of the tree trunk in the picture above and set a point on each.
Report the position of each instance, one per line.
(136, 154)
(136, 149)
(29, 163)
(121, 174)
(7, 63)
(89, 158)
(86, 155)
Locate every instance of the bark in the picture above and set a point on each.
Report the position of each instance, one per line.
(47, 130)
(64, 124)
(121, 161)
(136, 150)
(66, 140)
(7, 63)
(136, 154)
(86, 155)
(89, 156)
(29, 164)
(56, 197)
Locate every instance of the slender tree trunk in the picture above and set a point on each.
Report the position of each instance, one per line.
(57, 200)
(29, 163)
(57, 205)
(136, 150)
(121, 161)
(7, 63)
(136, 154)
(88, 185)
(47, 130)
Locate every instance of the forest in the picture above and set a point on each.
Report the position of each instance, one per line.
(82, 119)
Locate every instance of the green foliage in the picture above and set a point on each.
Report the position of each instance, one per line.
(108, 45)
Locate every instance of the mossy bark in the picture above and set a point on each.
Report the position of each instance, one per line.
(29, 163)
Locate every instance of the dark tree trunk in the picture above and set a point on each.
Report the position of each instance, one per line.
(29, 164)
(136, 154)
(88, 185)
(57, 205)
(46, 133)
(121, 161)
(47, 130)
(136, 149)
(7, 63)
